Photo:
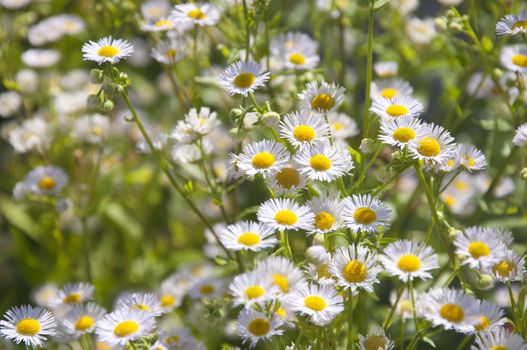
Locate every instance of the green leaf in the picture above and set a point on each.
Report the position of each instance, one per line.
(116, 213)
(429, 341)
(17, 217)
(379, 3)
(495, 125)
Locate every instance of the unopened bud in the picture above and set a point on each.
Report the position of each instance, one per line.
(271, 119)
(455, 27)
(93, 102)
(485, 282)
(318, 239)
(236, 113)
(367, 146)
(317, 254)
(523, 173)
(107, 105)
(96, 76)
(250, 119)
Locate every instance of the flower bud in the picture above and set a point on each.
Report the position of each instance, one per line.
(236, 113)
(93, 102)
(271, 119)
(367, 146)
(485, 282)
(107, 105)
(250, 119)
(317, 254)
(523, 174)
(96, 76)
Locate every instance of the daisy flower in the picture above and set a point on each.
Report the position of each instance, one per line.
(248, 235)
(324, 162)
(435, 148)
(33, 134)
(147, 302)
(282, 272)
(386, 69)
(491, 317)
(470, 157)
(389, 88)
(202, 121)
(10, 102)
(176, 338)
(74, 293)
(107, 49)
(263, 157)
(501, 339)
(402, 131)
(250, 288)
(509, 267)
(243, 78)
(168, 51)
(320, 303)
(409, 259)
(287, 179)
(162, 24)
(514, 58)
(399, 106)
(202, 15)
(254, 326)
(375, 341)
(323, 99)
(327, 210)
(520, 136)
(404, 307)
(209, 287)
(365, 213)
(45, 295)
(479, 247)
(40, 58)
(355, 267)
(154, 9)
(30, 325)
(512, 24)
(81, 319)
(450, 308)
(304, 129)
(92, 129)
(122, 326)
(285, 214)
(342, 126)
(295, 51)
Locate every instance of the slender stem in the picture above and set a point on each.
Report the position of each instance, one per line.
(368, 73)
(388, 321)
(411, 288)
(513, 303)
(247, 30)
(286, 247)
(465, 342)
(499, 174)
(350, 320)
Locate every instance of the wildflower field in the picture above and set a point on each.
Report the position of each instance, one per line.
(263, 174)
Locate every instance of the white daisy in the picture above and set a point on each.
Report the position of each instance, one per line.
(304, 128)
(92, 129)
(435, 148)
(324, 162)
(147, 302)
(514, 58)
(409, 259)
(30, 325)
(377, 340)
(162, 24)
(501, 339)
(420, 31)
(263, 157)
(14, 4)
(320, 273)
(470, 157)
(389, 88)
(480, 247)
(248, 235)
(285, 214)
(46, 180)
(320, 303)
(107, 49)
(154, 9)
(342, 126)
(202, 121)
(10, 102)
(243, 78)
(74, 293)
(196, 14)
(520, 136)
(404, 307)
(81, 319)
(386, 69)
(45, 295)
(33, 134)
(287, 179)
(168, 51)
(122, 326)
(295, 50)
(250, 288)
(450, 308)
(512, 24)
(509, 267)
(323, 99)
(254, 326)
(209, 287)
(40, 58)
(355, 267)
(365, 213)
(491, 317)
(396, 107)
(402, 131)
(282, 272)
(327, 210)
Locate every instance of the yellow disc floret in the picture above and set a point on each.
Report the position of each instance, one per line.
(322, 102)
(263, 160)
(354, 271)
(404, 134)
(315, 303)
(452, 313)
(409, 263)
(324, 220)
(304, 133)
(28, 326)
(320, 162)
(364, 215)
(108, 51)
(126, 328)
(478, 249)
(428, 147)
(396, 110)
(249, 239)
(286, 217)
(244, 80)
(254, 292)
(259, 327)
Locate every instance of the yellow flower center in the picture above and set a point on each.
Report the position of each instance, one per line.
(142, 307)
(108, 51)
(47, 183)
(207, 289)
(320, 162)
(499, 347)
(244, 80)
(84, 322)
(259, 327)
(196, 14)
(323, 101)
(164, 23)
(460, 185)
(171, 53)
(173, 340)
(297, 58)
(72, 298)
(409, 263)
(450, 163)
(249, 239)
(404, 134)
(374, 342)
(364, 215)
(469, 161)
(288, 178)
(263, 160)
(406, 306)
(304, 133)
(281, 312)
(314, 302)
(396, 110)
(28, 326)
(503, 268)
(323, 271)
(429, 147)
(254, 292)
(286, 217)
(520, 24)
(478, 249)
(354, 271)
(452, 313)
(337, 126)
(449, 200)
(125, 328)
(324, 220)
(167, 300)
(519, 60)
(483, 324)
(281, 281)
(388, 93)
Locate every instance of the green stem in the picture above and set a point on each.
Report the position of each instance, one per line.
(465, 342)
(499, 174)
(350, 321)
(388, 321)
(411, 288)
(247, 31)
(368, 73)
